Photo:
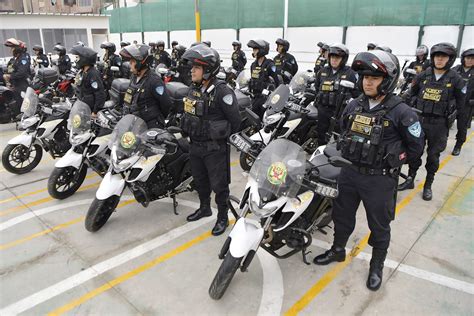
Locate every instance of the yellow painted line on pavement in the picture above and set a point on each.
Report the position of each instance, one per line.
(93, 175)
(52, 229)
(42, 162)
(329, 276)
(132, 273)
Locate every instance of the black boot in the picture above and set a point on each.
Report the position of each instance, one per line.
(456, 149)
(409, 182)
(336, 253)
(374, 281)
(204, 210)
(222, 220)
(427, 192)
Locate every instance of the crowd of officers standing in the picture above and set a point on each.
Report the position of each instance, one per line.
(379, 131)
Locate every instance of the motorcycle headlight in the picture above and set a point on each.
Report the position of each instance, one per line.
(121, 165)
(271, 119)
(260, 212)
(77, 139)
(25, 123)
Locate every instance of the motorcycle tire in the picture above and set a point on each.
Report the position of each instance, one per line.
(99, 212)
(68, 178)
(246, 162)
(17, 153)
(224, 276)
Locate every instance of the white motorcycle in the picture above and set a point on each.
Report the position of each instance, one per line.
(152, 164)
(89, 150)
(44, 126)
(290, 199)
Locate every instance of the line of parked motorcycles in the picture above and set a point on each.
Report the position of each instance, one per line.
(291, 180)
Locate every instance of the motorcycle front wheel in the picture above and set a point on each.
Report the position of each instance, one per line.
(18, 159)
(224, 276)
(64, 182)
(99, 212)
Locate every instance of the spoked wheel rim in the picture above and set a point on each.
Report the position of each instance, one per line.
(67, 179)
(22, 154)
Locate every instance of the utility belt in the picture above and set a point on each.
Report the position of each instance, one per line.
(210, 145)
(432, 119)
(376, 172)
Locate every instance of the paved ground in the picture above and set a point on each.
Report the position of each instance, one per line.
(149, 261)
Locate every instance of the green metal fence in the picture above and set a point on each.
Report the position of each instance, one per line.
(171, 15)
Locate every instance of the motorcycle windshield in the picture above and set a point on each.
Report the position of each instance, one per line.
(279, 170)
(79, 120)
(30, 103)
(277, 100)
(299, 82)
(125, 140)
(242, 80)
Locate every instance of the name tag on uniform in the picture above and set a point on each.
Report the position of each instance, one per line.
(327, 86)
(189, 106)
(432, 94)
(363, 119)
(256, 72)
(361, 128)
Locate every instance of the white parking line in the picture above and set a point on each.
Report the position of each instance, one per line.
(415, 272)
(273, 290)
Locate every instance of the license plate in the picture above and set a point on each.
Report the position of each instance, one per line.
(240, 143)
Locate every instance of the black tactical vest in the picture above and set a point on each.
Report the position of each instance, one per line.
(436, 98)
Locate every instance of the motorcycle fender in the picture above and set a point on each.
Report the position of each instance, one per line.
(49, 127)
(22, 139)
(102, 143)
(70, 159)
(112, 184)
(146, 165)
(257, 138)
(296, 206)
(291, 125)
(246, 235)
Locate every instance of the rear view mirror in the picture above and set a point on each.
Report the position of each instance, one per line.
(339, 162)
(347, 84)
(411, 71)
(253, 117)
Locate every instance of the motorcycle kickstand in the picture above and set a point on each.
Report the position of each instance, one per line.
(304, 253)
(175, 204)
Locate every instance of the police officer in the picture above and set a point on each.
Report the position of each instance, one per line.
(90, 88)
(211, 114)
(285, 63)
(322, 58)
(380, 133)
(465, 70)
(41, 58)
(439, 93)
(371, 46)
(327, 84)
(421, 63)
(110, 59)
(174, 54)
(263, 76)
(162, 56)
(124, 44)
(146, 97)
(182, 67)
(18, 69)
(64, 63)
(238, 57)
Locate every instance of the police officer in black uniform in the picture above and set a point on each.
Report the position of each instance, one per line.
(380, 133)
(90, 88)
(371, 46)
(183, 68)
(322, 58)
(421, 63)
(285, 63)
(466, 71)
(211, 114)
(174, 54)
(18, 70)
(110, 59)
(41, 58)
(64, 63)
(162, 56)
(329, 91)
(263, 75)
(146, 97)
(439, 93)
(239, 60)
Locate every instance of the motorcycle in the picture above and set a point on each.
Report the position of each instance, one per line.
(282, 119)
(44, 127)
(290, 199)
(9, 110)
(404, 83)
(152, 164)
(168, 75)
(300, 92)
(89, 139)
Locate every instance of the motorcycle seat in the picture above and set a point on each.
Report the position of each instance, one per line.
(331, 150)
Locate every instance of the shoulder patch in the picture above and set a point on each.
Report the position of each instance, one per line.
(160, 90)
(24, 61)
(415, 129)
(94, 84)
(228, 99)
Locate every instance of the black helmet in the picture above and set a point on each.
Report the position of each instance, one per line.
(384, 48)
(204, 56)
(151, 44)
(237, 43)
(138, 52)
(61, 50)
(17, 45)
(284, 43)
(262, 46)
(87, 56)
(378, 63)
(174, 43)
(422, 50)
(124, 43)
(180, 49)
(160, 43)
(108, 46)
(38, 48)
(321, 44)
(371, 45)
(465, 53)
(339, 50)
(208, 43)
(445, 49)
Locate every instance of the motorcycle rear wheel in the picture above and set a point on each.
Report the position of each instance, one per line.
(224, 276)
